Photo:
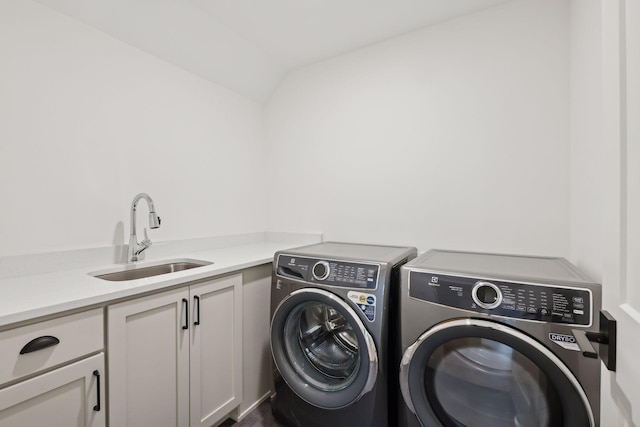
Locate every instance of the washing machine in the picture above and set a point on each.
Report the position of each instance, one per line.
(490, 340)
(330, 306)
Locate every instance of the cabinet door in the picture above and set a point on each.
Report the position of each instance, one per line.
(149, 361)
(257, 378)
(216, 349)
(64, 397)
(620, 169)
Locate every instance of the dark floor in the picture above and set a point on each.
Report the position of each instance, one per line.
(259, 417)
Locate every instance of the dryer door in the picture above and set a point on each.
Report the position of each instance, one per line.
(322, 349)
(478, 373)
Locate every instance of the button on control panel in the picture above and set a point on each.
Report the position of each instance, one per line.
(541, 302)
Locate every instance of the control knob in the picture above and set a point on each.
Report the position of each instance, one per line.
(320, 270)
(486, 295)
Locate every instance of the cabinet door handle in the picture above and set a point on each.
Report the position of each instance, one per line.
(197, 300)
(39, 343)
(96, 374)
(186, 313)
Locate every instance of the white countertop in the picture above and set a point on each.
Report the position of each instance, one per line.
(31, 296)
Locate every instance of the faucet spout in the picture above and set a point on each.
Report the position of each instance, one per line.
(135, 252)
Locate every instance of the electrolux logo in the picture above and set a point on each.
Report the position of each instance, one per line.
(562, 338)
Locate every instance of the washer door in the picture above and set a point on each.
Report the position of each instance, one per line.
(322, 349)
(478, 373)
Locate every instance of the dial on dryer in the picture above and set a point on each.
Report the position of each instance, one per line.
(321, 270)
(486, 295)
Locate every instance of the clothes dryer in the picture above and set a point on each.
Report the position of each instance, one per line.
(488, 340)
(330, 333)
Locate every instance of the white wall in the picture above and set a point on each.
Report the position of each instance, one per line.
(586, 189)
(87, 122)
(455, 136)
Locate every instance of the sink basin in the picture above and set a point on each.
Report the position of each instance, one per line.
(140, 272)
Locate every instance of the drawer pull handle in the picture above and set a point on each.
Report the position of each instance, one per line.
(197, 300)
(186, 313)
(39, 343)
(96, 374)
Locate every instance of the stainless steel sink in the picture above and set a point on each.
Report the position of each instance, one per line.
(136, 272)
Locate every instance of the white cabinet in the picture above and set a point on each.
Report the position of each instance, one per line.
(40, 387)
(175, 357)
(257, 372)
(65, 397)
(148, 360)
(216, 350)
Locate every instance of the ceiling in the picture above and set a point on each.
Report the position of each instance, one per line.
(248, 46)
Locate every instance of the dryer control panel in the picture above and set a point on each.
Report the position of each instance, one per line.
(329, 272)
(542, 302)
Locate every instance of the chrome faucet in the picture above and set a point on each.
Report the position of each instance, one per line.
(136, 249)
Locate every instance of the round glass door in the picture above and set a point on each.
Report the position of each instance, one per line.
(322, 349)
(481, 382)
(318, 336)
(475, 373)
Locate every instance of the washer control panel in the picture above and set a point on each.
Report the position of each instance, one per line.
(329, 272)
(548, 303)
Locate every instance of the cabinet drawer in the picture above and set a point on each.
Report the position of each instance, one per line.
(70, 396)
(76, 335)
